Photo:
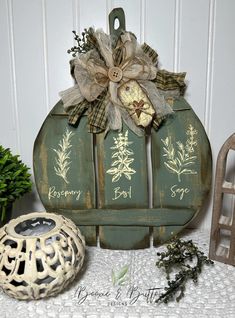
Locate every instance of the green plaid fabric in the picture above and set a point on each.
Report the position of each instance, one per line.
(165, 81)
(151, 53)
(157, 121)
(169, 81)
(77, 112)
(97, 116)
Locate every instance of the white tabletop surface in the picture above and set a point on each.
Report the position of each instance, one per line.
(93, 294)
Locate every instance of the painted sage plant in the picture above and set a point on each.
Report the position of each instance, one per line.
(180, 159)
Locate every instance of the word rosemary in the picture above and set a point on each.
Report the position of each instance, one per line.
(185, 256)
(53, 193)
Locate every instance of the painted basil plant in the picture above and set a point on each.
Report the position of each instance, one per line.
(14, 180)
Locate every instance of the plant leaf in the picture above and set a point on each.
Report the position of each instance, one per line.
(129, 152)
(116, 177)
(191, 158)
(188, 171)
(170, 168)
(115, 154)
(113, 278)
(122, 272)
(113, 170)
(181, 157)
(122, 281)
(188, 163)
(178, 161)
(129, 160)
(116, 162)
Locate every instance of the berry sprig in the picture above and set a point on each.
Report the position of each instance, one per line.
(188, 259)
(85, 42)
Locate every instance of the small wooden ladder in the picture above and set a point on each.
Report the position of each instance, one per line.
(223, 226)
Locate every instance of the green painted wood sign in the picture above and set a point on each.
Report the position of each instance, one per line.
(113, 187)
(71, 182)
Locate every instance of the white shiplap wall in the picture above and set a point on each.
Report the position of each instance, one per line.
(195, 36)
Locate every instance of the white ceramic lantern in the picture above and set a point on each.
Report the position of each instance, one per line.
(40, 254)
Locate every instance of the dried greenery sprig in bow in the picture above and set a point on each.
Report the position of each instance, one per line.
(85, 42)
(185, 256)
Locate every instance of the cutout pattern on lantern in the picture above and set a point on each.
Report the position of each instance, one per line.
(40, 254)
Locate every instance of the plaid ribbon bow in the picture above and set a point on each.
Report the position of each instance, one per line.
(94, 90)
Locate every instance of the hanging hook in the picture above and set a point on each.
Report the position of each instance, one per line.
(118, 15)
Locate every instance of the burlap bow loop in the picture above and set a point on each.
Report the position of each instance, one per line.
(90, 74)
(93, 75)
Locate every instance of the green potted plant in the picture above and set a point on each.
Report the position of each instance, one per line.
(14, 182)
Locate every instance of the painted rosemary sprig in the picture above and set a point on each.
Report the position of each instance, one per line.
(186, 257)
(181, 159)
(63, 155)
(191, 142)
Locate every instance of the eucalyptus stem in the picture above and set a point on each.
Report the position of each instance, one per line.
(188, 259)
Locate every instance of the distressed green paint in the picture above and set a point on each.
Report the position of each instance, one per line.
(124, 238)
(72, 189)
(130, 217)
(89, 232)
(162, 234)
(124, 223)
(128, 191)
(187, 190)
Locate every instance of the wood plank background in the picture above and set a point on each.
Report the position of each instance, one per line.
(189, 35)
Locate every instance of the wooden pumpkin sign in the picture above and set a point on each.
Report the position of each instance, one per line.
(108, 182)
